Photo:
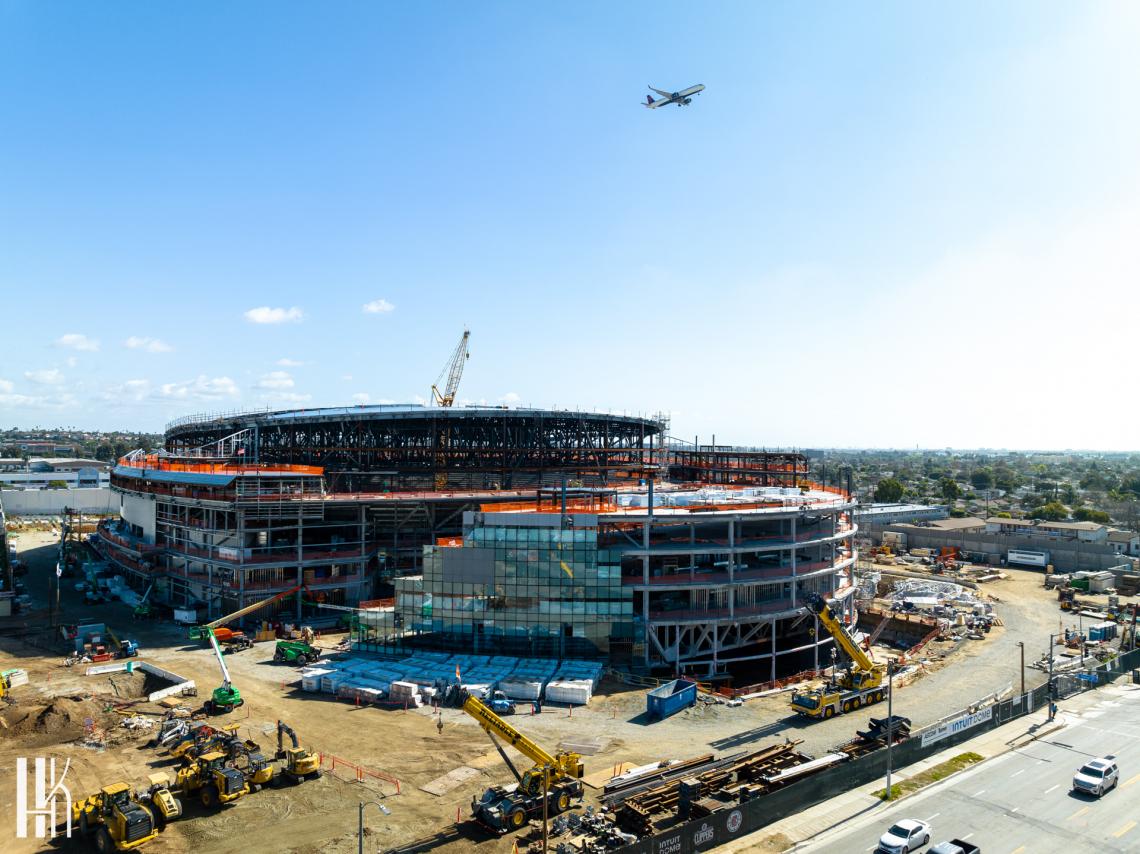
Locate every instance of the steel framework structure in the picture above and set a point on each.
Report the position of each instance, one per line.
(414, 447)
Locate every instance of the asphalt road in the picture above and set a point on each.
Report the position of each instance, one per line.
(1021, 803)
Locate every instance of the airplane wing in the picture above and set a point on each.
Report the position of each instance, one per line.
(663, 94)
(692, 90)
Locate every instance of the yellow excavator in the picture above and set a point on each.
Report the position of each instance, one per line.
(506, 808)
(116, 819)
(860, 683)
(300, 764)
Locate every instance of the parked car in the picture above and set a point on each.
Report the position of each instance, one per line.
(1097, 776)
(904, 836)
(955, 846)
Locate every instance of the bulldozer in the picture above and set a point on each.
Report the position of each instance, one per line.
(116, 819)
(208, 777)
(300, 764)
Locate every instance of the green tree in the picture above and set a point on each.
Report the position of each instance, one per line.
(982, 479)
(950, 489)
(889, 490)
(1088, 514)
(1054, 511)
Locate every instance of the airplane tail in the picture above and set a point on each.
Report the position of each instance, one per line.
(649, 100)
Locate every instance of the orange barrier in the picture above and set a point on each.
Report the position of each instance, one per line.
(359, 772)
(157, 463)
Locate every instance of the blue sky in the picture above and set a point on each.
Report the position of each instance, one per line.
(887, 224)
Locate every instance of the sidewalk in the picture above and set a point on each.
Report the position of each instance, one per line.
(814, 821)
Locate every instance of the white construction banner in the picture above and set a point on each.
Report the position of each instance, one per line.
(957, 725)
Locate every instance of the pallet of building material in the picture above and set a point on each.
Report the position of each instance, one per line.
(576, 693)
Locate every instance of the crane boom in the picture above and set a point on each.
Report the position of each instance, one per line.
(454, 371)
(496, 726)
(839, 632)
(249, 609)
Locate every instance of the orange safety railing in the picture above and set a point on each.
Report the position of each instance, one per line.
(158, 463)
(577, 505)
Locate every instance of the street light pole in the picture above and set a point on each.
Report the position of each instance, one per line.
(1050, 691)
(360, 822)
(890, 720)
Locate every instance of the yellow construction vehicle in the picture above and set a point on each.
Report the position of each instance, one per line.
(203, 739)
(860, 683)
(209, 778)
(300, 764)
(559, 776)
(116, 819)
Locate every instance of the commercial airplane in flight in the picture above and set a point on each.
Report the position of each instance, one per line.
(685, 96)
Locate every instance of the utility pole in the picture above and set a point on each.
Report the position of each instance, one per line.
(890, 720)
(1022, 645)
(545, 804)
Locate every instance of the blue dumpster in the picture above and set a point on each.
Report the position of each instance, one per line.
(671, 698)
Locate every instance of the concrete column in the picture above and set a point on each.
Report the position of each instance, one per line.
(731, 570)
(794, 582)
(773, 650)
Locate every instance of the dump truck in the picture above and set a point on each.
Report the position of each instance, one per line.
(860, 683)
(507, 808)
(117, 819)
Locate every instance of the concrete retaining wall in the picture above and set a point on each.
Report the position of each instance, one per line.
(180, 682)
(50, 502)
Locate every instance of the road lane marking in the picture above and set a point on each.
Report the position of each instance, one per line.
(1051, 788)
(1018, 849)
(933, 817)
(979, 793)
(1124, 829)
(1130, 781)
(1015, 773)
(1078, 813)
(967, 836)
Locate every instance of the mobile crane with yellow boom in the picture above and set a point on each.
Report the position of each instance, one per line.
(859, 683)
(559, 776)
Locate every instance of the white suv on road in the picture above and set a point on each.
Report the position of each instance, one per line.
(1097, 776)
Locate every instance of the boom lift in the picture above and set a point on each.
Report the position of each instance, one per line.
(506, 808)
(199, 632)
(860, 683)
(454, 371)
(226, 697)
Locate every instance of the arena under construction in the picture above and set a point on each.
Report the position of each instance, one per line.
(530, 530)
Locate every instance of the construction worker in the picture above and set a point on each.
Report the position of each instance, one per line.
(439, 723)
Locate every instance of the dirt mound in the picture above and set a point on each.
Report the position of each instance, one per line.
(62, 720)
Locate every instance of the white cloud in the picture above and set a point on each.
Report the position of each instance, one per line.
(509, 398)
(265, 314)
(276, 380)
(46, 376)
(378, 306)
(151, 345)
(72, 361)
(75, 341)
(6, 386)
(129, 391)
(347, 377)
(64, 400)
(201, 388)
(286, 397)
(289, 363)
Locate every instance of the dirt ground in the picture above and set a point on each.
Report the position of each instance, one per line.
(62, 708)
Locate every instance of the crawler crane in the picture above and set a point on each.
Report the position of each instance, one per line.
(506, 808)
(860, 683)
